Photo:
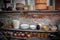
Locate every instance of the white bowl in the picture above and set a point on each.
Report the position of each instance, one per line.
(54, 28)
(24, 26)
(32, 26)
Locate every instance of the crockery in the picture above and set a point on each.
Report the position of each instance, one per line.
(24, 26)
(32, 26)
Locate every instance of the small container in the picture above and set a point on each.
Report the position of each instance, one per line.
(22, 35)
(5, 33)
(16, 24)
(42, 35)
(19, 35)
(38, 35)
(31, 7)
(26, 8)
(28, 35)
(15, 34)
(9, 8)
(11, 34)
(46, 28)
(40, 6)
(31, 34)
(38, 27)
(45, 35)
(53, 28)
(50, 7)
(19, 5)
(8, 33)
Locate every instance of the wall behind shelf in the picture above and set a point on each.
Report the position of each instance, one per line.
(7, 17)
(21, 1)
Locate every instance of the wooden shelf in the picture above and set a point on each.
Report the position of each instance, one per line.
(43, 11)
(34, 11)
(27, 30)
(10, 11)
(15, 37)
(40, 3)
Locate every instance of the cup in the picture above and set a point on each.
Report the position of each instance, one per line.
(16, 24)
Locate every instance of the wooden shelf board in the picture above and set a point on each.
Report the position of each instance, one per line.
(34, 11)
(16, 37)
(27, 30)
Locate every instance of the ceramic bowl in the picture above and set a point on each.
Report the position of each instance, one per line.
(32, 26)
(24, 26)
